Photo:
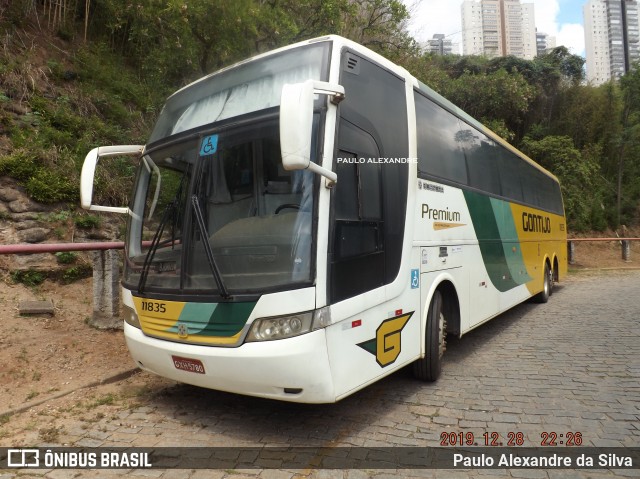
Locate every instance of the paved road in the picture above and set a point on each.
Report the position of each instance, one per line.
(571, 365)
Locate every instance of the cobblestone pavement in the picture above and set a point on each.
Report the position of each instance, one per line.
(571, 365)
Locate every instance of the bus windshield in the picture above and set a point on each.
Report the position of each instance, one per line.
(213, 210)
(220, 203)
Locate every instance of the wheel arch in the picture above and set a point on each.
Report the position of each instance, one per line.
(451, 306)
(446, 284)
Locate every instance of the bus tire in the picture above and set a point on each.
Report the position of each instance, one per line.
(547, 285)
(429, 367)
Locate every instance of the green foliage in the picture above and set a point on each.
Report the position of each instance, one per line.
(499, 127)
(107, 105)
(66, 257)
(175, 41)
(62, 215)
(499, 95)
(34, 278)
(492, 95)
(87, 222)
(19, 164)
(16, 12)
(76, 273)
(106, 400)
(577, 173)
(42, 180)
(28, 277)
(49, 186)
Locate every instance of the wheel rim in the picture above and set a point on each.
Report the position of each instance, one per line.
(441, 334)
(547, 280)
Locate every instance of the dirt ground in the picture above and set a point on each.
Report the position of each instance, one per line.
(50, 366)
(42, 356)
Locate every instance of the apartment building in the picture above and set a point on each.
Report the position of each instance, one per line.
(441, 45)
(544, 43)
(498, 28)
(612, 40)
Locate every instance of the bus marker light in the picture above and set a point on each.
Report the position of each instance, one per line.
(356, 323)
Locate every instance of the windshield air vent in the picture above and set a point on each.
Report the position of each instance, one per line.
(352, 65)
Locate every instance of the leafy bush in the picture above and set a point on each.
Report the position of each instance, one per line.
(48, 186)
(577, 171)
(75, 273)
(28, 277)
(19, 164)
(66, 257)
(87, 222)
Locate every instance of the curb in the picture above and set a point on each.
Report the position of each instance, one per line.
(108, 380)
(573, 270)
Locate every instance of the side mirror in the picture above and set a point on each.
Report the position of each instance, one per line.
(296, 122)
(89, 169)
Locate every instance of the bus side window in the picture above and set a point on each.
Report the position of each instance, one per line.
(512, 174)
(359, 171)
(482, 162)
(358, 208)
(440, 142)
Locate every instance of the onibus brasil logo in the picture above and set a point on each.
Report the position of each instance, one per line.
(386, 346)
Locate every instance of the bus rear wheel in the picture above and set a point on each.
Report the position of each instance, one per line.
(547, 285)
(429, 367)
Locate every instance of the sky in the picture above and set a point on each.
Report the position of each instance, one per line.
(560, 18)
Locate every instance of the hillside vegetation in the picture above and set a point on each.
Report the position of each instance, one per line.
(79, 74)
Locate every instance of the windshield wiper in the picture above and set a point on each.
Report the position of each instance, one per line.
(207, 248)
(153, 247)
(168, 214)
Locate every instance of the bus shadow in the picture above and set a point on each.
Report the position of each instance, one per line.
(460, 348)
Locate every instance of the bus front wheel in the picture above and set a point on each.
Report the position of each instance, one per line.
(429, 367)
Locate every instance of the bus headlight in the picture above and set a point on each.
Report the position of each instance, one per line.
(131, 317)
(267, 329)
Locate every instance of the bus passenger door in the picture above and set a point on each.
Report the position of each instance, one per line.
(372, 334)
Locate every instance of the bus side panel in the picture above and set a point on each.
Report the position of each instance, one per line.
(372, 344)
(545, 236)
(445, 232)
(508, 263)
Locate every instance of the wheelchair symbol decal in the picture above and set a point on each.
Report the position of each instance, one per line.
(209, 145)
(415, 279)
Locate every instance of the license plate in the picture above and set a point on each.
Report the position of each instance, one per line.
(188, 364)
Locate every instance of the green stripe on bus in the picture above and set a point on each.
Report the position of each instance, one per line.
(485, 223)
(510, 242)
(215, 319)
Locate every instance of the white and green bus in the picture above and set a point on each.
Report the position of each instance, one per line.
(310, 220)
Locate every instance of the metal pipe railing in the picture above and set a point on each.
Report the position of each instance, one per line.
(59, 247)
(625, 244)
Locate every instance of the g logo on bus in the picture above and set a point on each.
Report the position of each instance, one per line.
(386, 346)
(183, 331)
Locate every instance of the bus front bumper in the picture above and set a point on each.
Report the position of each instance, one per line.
(295, 369)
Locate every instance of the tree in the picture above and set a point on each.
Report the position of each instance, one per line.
(577, 174)
(628, 154)
(498, 97)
